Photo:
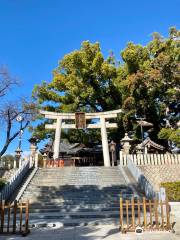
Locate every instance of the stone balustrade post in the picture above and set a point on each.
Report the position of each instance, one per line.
(44, 160)
(36, 160)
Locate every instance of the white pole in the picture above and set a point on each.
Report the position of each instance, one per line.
(105, 143)
(20, 162)
(36, 160)
(57, 138)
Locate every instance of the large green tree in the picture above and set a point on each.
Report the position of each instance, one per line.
(149, 82)
(145, 84)
(84, 81)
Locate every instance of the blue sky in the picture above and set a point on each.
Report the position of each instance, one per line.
(35, 34)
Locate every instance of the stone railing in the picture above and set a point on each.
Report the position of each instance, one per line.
(143, 184)
(15, 181)
(150, 159)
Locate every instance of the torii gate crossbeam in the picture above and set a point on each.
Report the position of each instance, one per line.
(59, 124)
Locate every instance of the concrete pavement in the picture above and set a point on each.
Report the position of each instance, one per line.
(100, 232)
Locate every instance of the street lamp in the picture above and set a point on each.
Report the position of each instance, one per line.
(20, 120)
(18, 150)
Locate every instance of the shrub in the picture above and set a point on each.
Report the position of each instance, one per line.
(172, 190)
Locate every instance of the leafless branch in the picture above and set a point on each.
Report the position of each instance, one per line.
(8, 115)
(6, 81)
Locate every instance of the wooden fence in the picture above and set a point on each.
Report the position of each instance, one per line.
(150, 159)
(147, 214)
(14, 218)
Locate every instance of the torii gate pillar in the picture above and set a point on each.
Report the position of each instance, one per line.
(105, 143)
(57, 138)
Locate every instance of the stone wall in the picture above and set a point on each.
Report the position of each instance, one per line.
(142, 182)
(161, 173)
(7, 174)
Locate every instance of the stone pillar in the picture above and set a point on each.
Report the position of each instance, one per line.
(33, 150)
(44, 160)
(121, 158)
(57, 138)
(20, 162)
(146, 150)
(105, 143)
(17, 158)
(112, 148)
(14, 164)
(36, 160)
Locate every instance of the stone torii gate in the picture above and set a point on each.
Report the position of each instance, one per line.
(102, 124)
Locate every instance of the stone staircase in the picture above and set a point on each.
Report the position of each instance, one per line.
(77, 196)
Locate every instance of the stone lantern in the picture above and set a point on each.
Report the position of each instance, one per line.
(44, 159)
(112, 148)
(126, 144)
(33, 149)
(18, 152)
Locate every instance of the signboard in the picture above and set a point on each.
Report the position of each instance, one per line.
(80, 120)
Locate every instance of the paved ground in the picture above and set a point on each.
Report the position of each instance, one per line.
(105, 232)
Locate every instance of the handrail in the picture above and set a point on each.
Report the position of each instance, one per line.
(20, 193)
(150, 159)
(142, 182)
(14, 181)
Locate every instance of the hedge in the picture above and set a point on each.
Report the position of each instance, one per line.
(172, 190)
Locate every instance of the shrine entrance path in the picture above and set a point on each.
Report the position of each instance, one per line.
(106, 232)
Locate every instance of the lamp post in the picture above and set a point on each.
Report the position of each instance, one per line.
(18, 150)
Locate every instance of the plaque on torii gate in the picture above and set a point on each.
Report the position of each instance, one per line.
(80, 122)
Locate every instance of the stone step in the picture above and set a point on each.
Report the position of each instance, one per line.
(76, 196)
(72, 202)
(68, 209)
(47, 205)
(72, 215)
(78, 188)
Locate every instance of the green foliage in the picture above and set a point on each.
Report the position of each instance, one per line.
(170, 134)
(172, 190)
(145, 84)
